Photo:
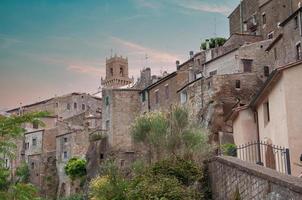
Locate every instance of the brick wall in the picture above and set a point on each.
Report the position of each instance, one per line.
(230, 175)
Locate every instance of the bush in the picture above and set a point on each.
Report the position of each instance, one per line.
(23, 173)
(185, 171)
(73, 197)
(229, 149)
(160, 187)
(75, 168)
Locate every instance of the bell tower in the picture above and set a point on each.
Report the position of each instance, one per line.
(116, 73)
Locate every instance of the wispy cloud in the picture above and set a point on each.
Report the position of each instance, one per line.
(153, 54)
(85, 69)
(7, 41)
(204, 7)
(94, 68)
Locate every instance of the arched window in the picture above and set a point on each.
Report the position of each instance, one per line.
(111, 71)
(121, 71)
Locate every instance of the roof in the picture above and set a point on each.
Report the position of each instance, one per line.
(274, 42)
(189, 60)
(186, 85)
(290, 17)
(47, 100)
(234, 10)
(160, 81)
(216, 58)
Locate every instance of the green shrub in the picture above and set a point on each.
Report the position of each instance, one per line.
(75, 168)
(22, 173)
(229, 149)
(73, 197)
(160, 187)
(185, 171)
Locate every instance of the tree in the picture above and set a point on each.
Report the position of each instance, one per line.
(151, 129)
(171, 133)
(75, 168)
(10, 130)
(213, 42)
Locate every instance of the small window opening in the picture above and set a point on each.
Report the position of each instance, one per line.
(237, 84)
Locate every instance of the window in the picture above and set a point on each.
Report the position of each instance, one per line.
(266, 112)
(263, 18)
(32, 165)
(212, 73)
(34, 141)
(57, 105)
(68, 106)
(101, 156)
(198, 61)
(296, 22)
(247, 65)
(121, 71)
(83, 106)
(122, 163)
(65, 155)
(143, 96)
(65, 140)
(107, 101)
(26, 145)
(107, 125)
(111, 71)
(35, 124)
(156, 97)
(183, 97)
(266, 71)
(237, 84)
(75, 105)
(298, 51)
(167, 91)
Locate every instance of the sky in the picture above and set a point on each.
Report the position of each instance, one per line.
(54, 47)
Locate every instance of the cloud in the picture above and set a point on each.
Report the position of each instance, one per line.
(6, 41)
(85, 69)
(94, 68)
(154, 54)
(204, 7)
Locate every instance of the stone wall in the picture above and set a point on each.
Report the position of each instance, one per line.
(231, 177)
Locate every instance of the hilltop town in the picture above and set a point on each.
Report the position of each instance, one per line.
(246, 92)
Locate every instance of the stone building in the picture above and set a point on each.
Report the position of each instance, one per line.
(286, 47)
(38, 148)
(261, 17)
(273, 116)
(211, 99)
(116, 72)
(245, 59)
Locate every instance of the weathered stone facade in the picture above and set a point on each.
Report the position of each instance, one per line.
(231, 178)
(77, 112)
(260, 17)
(116, 72)
(212, 99)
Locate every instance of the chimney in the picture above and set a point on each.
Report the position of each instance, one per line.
(191, 54)
(177, 64)
(207, 44)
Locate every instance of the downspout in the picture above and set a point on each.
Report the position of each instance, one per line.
(259, 162)
(241, 19)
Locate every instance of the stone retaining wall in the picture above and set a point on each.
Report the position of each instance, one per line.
(231, 178)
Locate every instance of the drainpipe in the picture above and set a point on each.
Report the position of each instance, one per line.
(259, 162)
(241, 19)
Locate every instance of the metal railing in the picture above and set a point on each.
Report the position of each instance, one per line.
(265, 154)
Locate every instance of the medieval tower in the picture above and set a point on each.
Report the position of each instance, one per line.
(116, 73)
